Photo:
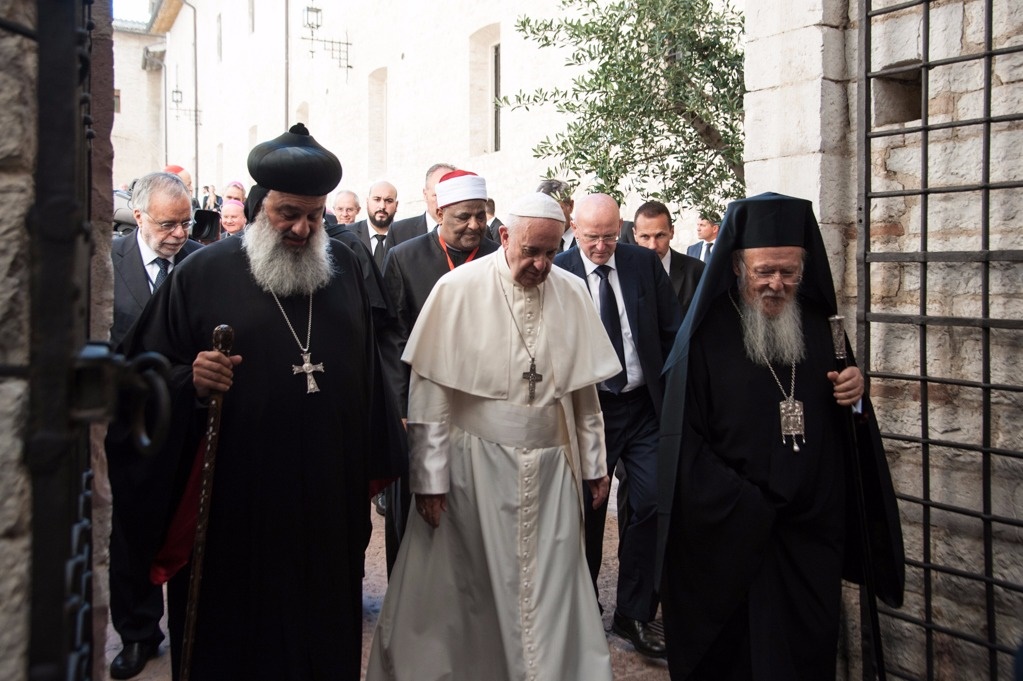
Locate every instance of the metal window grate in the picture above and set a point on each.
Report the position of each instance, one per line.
(939, 322)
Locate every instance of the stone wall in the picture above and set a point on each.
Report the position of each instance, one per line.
(17, 164)
(101, 301)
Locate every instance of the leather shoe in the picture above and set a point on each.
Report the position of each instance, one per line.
(644, 638)
(132, 659)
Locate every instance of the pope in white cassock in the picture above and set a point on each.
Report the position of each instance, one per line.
(504, 429)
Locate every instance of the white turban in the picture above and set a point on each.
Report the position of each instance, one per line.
(460, 185)
(537, 205)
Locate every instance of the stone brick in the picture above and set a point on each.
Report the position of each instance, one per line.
(810, 52)
(895, 39)
(886, 229)
(14, 606)
(1005, 98)
(946, 30)
(1007, 19)
(957, 78)
(14, 483)
(17, 115)
(766, 18)
(814, 120)
(792, 175)
(16, 196)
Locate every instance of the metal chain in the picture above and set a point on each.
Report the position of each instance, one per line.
(309, 331)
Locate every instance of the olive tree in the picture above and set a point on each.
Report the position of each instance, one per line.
(657, 108)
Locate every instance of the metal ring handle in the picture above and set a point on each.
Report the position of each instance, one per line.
(153, 370)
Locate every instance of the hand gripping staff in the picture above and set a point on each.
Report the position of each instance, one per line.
(223, 339)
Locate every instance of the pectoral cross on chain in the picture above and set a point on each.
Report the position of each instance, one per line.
(307, 367)
(532, 377)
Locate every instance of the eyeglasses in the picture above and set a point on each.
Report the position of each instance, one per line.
(595, 238)
(170, 226)
(763, 276)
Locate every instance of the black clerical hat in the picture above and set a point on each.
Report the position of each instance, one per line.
(771, 220)
(295, 163)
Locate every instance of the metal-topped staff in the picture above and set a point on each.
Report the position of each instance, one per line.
(223, 339)
(838, 341)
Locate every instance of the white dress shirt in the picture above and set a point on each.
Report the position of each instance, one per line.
(633, 369)
(149, 258)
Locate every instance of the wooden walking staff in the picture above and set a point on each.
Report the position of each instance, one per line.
(223, 339)
(874, 627)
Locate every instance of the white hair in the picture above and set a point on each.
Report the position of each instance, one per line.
(284, 270)
(770, 339)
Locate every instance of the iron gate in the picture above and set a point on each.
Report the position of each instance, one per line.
(57, 450)
(940, 125)
(72, 382)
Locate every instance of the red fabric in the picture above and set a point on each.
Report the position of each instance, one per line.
(457, 173)
(378, 486)
(177, 547)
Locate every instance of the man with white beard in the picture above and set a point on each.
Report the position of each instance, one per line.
(764, 485)
(281, 585)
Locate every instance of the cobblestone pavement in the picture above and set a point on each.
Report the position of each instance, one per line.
(627, 664)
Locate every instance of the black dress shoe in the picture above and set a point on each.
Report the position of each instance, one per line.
(132, 659)
(643, 637)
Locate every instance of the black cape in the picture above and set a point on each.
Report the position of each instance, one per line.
(281, 589)
(754, 524)
(730, 502)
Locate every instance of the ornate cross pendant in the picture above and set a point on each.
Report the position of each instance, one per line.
(307, 367)
(532, 377)
(792, 422)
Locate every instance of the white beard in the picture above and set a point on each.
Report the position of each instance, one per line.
(281, 269)
(772, 339)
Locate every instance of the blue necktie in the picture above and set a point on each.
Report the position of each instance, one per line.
(163, 264)
(613, 326)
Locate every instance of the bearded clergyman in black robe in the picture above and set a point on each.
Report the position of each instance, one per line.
(281, 590)
(760, 515)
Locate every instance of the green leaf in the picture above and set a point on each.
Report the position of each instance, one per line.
(659, 106)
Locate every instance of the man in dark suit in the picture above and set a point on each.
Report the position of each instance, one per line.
(381, 205)
(653, 229)
(162, 234)
(142, 261)
(493, 222)
(640, 311)
(409, 228)
(707, 229)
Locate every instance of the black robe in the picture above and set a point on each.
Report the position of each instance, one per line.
(281, 588)
(757, 531)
